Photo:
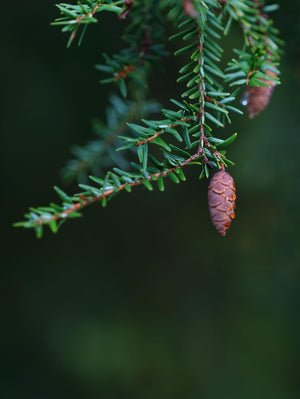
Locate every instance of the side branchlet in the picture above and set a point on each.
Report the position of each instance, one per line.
(186, 133)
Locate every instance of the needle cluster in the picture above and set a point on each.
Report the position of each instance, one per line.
(186, 133)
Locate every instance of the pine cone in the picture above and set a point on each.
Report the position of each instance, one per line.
(257, 98)
(221, 201)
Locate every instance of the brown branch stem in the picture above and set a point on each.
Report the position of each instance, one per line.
(86, 201)
(201, 89)
(83, 17)
(160, 132)
(203, 141)
(90, 14)
(122, 74)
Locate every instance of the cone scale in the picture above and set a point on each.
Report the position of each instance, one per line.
(257, 98)
(221, 201)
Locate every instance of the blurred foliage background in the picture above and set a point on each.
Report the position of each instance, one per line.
(143, 299)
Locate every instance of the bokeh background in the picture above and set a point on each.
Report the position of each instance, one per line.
(143, 300)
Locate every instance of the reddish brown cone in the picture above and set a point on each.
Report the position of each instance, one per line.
(257, 98)
(221, 201)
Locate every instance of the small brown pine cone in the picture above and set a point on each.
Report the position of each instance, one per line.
(257, 98)
(221, 201)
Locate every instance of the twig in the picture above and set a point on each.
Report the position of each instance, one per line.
(86, 201)
(160, 132)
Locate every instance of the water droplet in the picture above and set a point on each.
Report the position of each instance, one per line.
(244, 99)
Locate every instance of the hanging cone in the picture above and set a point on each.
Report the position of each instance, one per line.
(257, 98)
(221, 201)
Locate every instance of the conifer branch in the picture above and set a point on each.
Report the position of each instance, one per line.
(72, 210)
(261, 52)
(255, 23)
(143, 36)
(99, 154)
(206, 105)
(82, 14)
(166, 130)
(202, 139)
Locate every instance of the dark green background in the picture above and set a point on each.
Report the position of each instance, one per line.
(142, 300)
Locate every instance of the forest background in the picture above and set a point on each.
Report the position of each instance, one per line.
(143, 299)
